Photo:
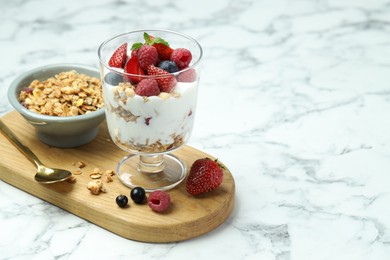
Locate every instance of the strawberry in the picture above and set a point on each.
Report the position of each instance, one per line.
(165, 80)
(119, 57)
(164, 51)
(132, 67)
(205, 175)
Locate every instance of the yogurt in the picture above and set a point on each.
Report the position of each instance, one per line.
(155, 124)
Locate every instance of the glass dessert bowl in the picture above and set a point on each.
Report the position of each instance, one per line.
(150, 83)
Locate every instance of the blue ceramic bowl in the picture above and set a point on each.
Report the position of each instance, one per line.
(69, 131)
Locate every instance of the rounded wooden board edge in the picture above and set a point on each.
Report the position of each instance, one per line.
(217, 204)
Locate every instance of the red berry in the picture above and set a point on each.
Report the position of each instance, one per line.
(147, 55)
(205, 175)
(119, 57)
(159, 201)
(182, 57)
(132, 67)
(164, 51)
(165, 80)
(187, 76)
(147, 88)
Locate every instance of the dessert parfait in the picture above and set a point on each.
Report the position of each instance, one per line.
(150, 80)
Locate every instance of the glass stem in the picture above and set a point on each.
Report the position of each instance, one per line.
(151, 163)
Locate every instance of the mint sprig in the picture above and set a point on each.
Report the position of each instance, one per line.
(148, 41)
(136, 46)
(155, 40)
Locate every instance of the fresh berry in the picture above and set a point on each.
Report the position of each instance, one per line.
(187, 76)
(169, 66)
(162, 46)
(138, 195)
(164, 51)
(113, 78)
(119, 57)
(147, 55)
(182, 57)
(205, 175)
(147, 88)
(159, 201)
(165, 80)
(121, 200)
(132, 67)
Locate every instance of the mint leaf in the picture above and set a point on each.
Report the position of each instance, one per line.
(136, 46)
(147, 38)
(160, 40)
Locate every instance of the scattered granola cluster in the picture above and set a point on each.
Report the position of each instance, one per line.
(66, 94)
(97, 176)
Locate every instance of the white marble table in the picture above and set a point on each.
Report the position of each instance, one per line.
(294, 98)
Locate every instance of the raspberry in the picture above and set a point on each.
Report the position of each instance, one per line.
(187, 76)
(165, 80)
(147, 88)
(147, 55)
(182, 57)
(159, 201)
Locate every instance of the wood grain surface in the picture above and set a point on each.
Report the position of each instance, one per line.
(188, 216)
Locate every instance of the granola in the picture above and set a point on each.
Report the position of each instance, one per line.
(66, 94)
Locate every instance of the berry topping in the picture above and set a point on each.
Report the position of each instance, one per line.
(187, 76)
(164, 51)
(205, 175)
(169, 66)
(113, 78)
(147, 88)
(147, 55)
(119, 57)
(159, 201)
(182, 57)
(138, 195)
(165, 81)
(121, 200)
(132, 67)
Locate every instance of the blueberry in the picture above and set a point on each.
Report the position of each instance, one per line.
(138, 195)
(169, 66)
(122, 200)
(113, 79)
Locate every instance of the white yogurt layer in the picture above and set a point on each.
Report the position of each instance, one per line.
(142, 123)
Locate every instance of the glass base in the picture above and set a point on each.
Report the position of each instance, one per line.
(151, 172)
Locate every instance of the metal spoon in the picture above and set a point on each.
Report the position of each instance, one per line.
(44, 174)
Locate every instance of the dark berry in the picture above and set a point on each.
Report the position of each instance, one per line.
(138, 195)
(169, 66)
(159, 201)
(122, 200)
(113, 79)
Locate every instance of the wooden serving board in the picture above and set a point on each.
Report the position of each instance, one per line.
(187, 217)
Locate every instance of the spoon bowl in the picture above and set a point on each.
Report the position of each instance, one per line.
(44, 174)
(51, 175)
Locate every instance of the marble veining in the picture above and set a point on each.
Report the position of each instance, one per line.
(294, 100)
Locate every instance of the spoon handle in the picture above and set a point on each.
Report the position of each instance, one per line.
(24, 149)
